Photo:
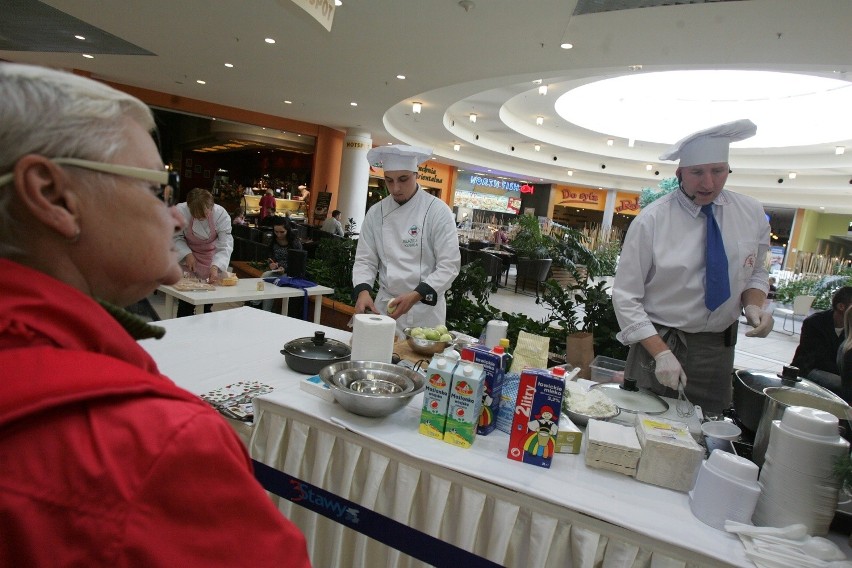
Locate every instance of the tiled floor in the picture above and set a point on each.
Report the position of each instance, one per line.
(767, 354)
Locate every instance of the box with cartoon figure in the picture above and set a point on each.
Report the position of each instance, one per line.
(536, 418)
(465, 404)
(436, 396)
(494, 361)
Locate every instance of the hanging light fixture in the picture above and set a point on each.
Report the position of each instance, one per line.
(416, 107)
(542, 90)
(472, 117)
(539, 120)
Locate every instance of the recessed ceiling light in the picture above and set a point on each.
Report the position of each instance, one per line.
(472, 117)
(542, 90)
(87, 56)
(792, 175)
(570, 173)
(567, 45)
(840, 150)
(539, 120)
(338, 2)
(288, 102)
(635, 67)
(537, 147)
(610, 142)
(649, 167)
(200, 82)
(269, 40)
(353, 103)
(456, 147)
(537, 82)
(81, 38)
(416, 107)
(229, 65)
(400, 77)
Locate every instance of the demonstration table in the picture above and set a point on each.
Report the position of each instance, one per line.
(508, 512)
(245, 290)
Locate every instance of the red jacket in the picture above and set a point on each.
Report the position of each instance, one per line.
(105, 462)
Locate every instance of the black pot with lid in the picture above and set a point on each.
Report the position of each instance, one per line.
(748, 397)
(309, 355)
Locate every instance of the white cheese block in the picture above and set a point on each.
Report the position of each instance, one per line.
(670, 456)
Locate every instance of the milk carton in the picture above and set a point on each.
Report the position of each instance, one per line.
(439, 378)
(465, 404)
(536, 420)
(494, 361)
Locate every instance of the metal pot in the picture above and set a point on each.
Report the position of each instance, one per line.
(749, 398)
(309, 355)
(778, 399)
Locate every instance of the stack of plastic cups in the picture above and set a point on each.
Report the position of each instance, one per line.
(797, 480)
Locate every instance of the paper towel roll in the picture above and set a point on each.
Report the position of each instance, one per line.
(373, 336)
(494, 332)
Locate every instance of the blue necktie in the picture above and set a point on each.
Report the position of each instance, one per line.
(717, 286)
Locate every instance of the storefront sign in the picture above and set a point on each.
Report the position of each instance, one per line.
(353, 145)
(429, 175)
(526, 188)
(320, 10)
(502, 184)
(579, 197)
(627, 203)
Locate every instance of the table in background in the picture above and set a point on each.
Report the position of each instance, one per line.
(512, 513)
(245, 291)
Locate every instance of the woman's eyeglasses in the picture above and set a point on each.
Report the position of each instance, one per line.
(162, 177)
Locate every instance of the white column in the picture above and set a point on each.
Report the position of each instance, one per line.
(609, 211)
(354, 176)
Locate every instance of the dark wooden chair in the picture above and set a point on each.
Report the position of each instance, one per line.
(532, 269)
(491, 263)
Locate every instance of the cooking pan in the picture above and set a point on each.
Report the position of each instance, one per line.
(309, 355)
(748, 397)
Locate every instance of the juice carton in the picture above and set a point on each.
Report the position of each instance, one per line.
(536, 421)
(433, 416)
(495, 361)
(465, 404)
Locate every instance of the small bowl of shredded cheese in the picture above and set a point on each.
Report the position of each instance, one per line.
(581, 404)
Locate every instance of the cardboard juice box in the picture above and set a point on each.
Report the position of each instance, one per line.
(536, 418)
(433, 415)
(494, 361)
(465, 404)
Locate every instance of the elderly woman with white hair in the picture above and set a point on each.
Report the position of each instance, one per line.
(105, 461)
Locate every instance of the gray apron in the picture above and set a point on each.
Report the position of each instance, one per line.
(706, 360)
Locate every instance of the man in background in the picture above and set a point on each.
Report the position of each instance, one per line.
(332, 224)
(822, 334)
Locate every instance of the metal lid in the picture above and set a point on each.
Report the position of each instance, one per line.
(758, 380)
(318, 347)
(630, 398)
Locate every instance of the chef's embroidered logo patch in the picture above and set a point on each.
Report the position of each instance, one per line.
(414, 241)
(749, 261)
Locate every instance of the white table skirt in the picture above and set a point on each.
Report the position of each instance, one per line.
(509, 512)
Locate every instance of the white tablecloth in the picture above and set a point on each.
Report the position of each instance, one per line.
(509, 512)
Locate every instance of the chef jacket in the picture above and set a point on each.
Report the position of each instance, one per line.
(661, 271)
(201, 229)
(413, 246)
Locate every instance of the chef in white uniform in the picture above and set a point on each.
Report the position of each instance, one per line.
(679, 327)
(409, 239)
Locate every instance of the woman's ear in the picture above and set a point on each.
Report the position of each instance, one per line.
(43, 189)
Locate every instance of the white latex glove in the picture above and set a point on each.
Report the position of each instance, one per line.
(761, 321)
(668, 370)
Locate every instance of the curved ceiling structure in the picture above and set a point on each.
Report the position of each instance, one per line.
(490, 58)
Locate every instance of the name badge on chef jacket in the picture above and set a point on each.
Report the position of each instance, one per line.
(413, 239)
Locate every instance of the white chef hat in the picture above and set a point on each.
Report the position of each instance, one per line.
(398, 157)
(710, 146)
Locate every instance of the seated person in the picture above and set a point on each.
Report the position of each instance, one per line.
(500, 237)
(772, 289)
(844, 358)
(332, 224)
(286, 237)
(822, 334)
